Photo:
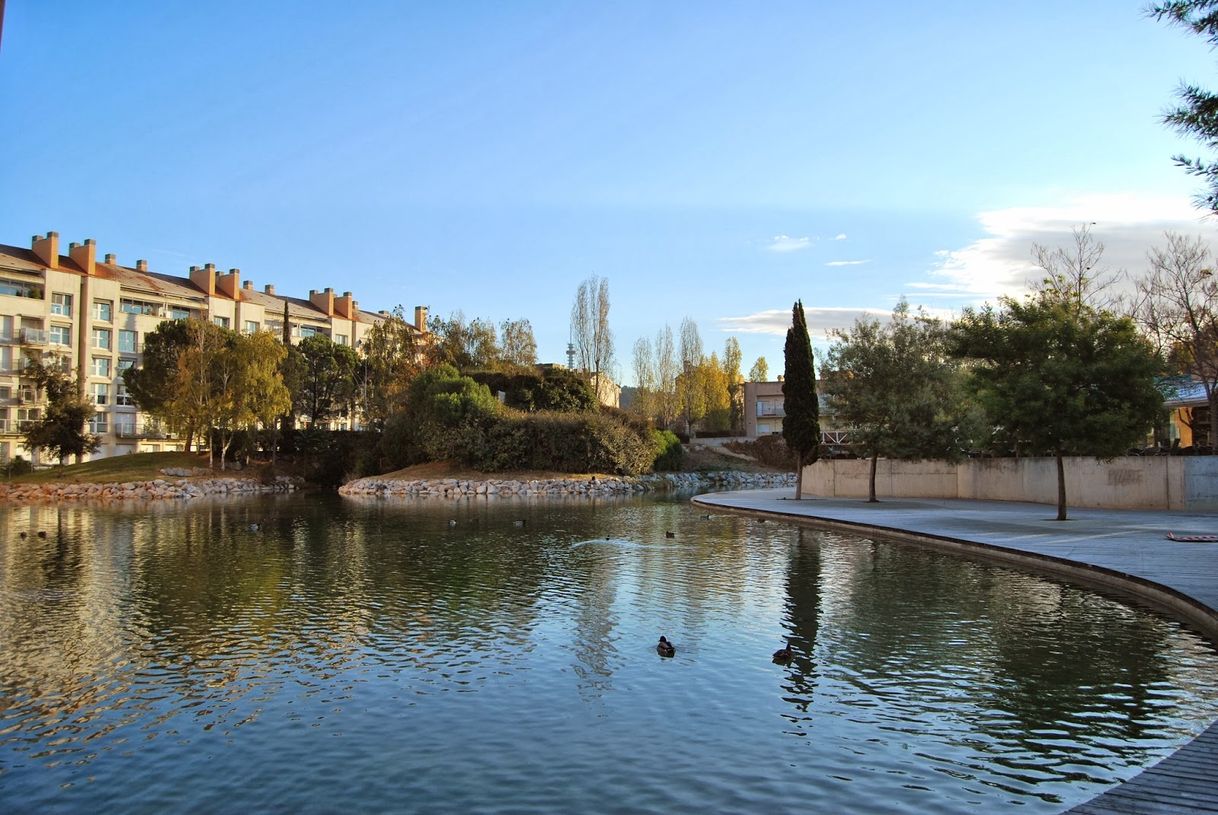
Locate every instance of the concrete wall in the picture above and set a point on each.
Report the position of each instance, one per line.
(1159, 482)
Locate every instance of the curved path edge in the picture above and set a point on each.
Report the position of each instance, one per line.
(1119, 550)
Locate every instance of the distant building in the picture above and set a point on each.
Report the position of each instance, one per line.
(764, 411)
(1190, 414)
(89, 317)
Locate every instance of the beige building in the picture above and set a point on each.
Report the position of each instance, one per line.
(90, 316)
(764, 411)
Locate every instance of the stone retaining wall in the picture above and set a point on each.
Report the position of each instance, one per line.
(143, 490)
(506, 487)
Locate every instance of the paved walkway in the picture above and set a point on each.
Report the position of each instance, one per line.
(1100, 545)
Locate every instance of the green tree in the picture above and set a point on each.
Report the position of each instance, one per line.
(1059, 377)
(151, 383)
(327, 379)
(896, 390)
(801, 422)
(1197, 113)
(760, 372)
(61, 430)
(466, 346)
(735, 383)
(191, 403)
(247, 386)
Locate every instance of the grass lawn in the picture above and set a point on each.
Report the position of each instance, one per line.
(116, 469)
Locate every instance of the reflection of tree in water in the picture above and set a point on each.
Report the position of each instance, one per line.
(802, 618)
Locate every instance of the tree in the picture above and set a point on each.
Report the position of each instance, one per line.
(1177, 307)
(191, 403)
(244, 385)
(667, 403)
(393, 354)
(327, 379)
(894, 387)
(716, 394)
(1058, 378)
(760, 372)
(1197, 113)
(517, 345)
(61, 430)
(466, 346)
(590, 332)
(1076, 277)
(690, 393)
(644, 379)
(801, 422)
(735, 382)
(151, 383)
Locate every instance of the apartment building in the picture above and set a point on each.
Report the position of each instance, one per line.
(89, 316)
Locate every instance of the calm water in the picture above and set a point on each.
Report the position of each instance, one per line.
(363, 656)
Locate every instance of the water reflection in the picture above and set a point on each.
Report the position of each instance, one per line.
(501, 654)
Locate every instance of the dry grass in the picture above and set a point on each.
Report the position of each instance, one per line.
(117, 469)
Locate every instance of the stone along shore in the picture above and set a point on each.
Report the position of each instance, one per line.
(157, 489)
(612, 485)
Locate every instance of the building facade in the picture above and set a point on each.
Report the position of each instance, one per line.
(89, 316)
(764, 409)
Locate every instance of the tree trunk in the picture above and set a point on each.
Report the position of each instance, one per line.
(799, 475)
(1213, 402)
(1061, 486)
(871, 499)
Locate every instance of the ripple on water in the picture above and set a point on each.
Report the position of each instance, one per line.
(368, 656)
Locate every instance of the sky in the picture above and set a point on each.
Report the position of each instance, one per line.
(715, 161)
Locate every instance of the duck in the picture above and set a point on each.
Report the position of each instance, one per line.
(518, 522)
(665, 648)
(670, 534)
(42, 533)
(255, 527)
(23, 534)
(783, 655)
(452, 522)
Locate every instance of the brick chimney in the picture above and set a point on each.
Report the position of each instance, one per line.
(204, 278)
(141, 265)
(420, 319)
(111, 259)
(47, 249)
(345, 306)
(229, 284)
(84, 255)
(324, 300)
(269, 288)
(248, 285)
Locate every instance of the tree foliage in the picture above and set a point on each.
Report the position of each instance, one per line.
(392, 355)
(1196, 115)
(327, 379)
(801, 422)
(760, 372)
(151, 383)
(896, 390)
(61, 429)
(1059, 378)
(517, 345)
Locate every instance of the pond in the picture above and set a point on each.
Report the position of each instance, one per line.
(315, 654)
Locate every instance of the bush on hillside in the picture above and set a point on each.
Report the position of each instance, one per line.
(670, 455)
(772, 451)
(532, 390)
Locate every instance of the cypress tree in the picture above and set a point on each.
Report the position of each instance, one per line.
(801, 419)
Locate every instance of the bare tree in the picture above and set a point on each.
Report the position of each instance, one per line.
(644, 378)
(517, 344)
(693, 403)
(590, 332)
(666, 377)
(1177, 307)
(1075, 276)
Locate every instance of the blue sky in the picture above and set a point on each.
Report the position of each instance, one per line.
(712, 160)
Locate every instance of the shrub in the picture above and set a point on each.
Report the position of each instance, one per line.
(17, 466)
(772, 451)
(534, 390)
(670, 455)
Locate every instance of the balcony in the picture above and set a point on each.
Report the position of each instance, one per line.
(132, 430)
(33, 336)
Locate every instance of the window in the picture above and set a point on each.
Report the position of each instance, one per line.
(6, 392)
(220, 321)
(101, 366)
(127, 341)
(341, 339)
(179, 313)
(27, 416)
(129, 306)
(99, 423)
(124, 364)
(60, 335)
(20, 288)
(122, 397)
(61, 304)
(101, 338)
(101, 393)
(103, 310)
(251, 327)
(309, 331)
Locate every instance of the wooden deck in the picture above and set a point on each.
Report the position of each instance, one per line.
(1129, 549)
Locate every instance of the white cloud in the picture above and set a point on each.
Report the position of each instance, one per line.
(820, 320)
(785, 243)
(1001, 262)
(847, 262)
(841, 236)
